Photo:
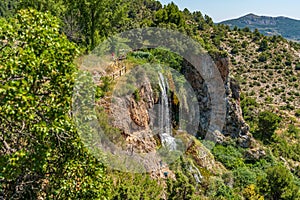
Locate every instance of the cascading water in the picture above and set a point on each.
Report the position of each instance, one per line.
(196, 173)
(164, 114)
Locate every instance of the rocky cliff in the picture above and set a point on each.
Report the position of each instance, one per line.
(235, 126)
(134, 114)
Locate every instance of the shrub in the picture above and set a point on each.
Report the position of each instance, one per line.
(235, 50)
(293, 79)
(263, 45)
(279, 184)
(262, 57)
(243, 177)
(297, 113)
(229, 156)
(250, 192)
(267, 124)
(244, 44)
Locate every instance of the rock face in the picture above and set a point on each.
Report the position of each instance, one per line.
(131, 114)
(235, 126)
(135, 114)
(140, 105)
(203, 157)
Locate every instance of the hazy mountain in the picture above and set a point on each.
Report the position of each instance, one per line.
(286, 27)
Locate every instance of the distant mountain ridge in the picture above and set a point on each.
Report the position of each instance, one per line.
(284, 26)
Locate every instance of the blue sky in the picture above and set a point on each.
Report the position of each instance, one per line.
(220, 10)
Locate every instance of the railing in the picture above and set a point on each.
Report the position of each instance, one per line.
(119, 73)
(113, 76)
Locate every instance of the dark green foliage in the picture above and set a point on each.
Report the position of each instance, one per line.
(169, 14)
(55, 7)
(249, 109)
(208, 20)
(182, 188)
(243, 177)
(297, 113)
(8, 8)
(106, 84)
(244, 44)
(84, 22)
(279, 184)
(229, 156)
(95, 19)
(185, 186)
(282, 145)
(136, 95)
(235, 50)
(263, 45)
(134, 187)
(267, 124)
(168, 58)
(263, 57)
(218, 190)
(246, 29)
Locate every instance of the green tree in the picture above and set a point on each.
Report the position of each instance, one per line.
(263, 57)
(279, 184)
(84, 21)
(243, 177)
(170, 14)
(263, 45)
(93, 19)
(208, 20)
(229, 156)
(40, 148)
(218, 190)
(135, 187)
(297, 113)
(182, 188)
(268, 122)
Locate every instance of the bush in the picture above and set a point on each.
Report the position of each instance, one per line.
(279, 184)
(262, 57)
(297, 113)
(250, 192)
(229, 156)
(244, 44)
(218, 190)
(263, 45)
(267, 124)
(243, 177)
(235, 50)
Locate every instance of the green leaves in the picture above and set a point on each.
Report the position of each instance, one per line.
(267, 124)
(229, 156)
(279, 184)
(36, 67)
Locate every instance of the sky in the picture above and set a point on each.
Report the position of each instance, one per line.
(220, 10)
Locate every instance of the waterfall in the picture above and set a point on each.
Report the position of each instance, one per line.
(196, 173)
(165, 131)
